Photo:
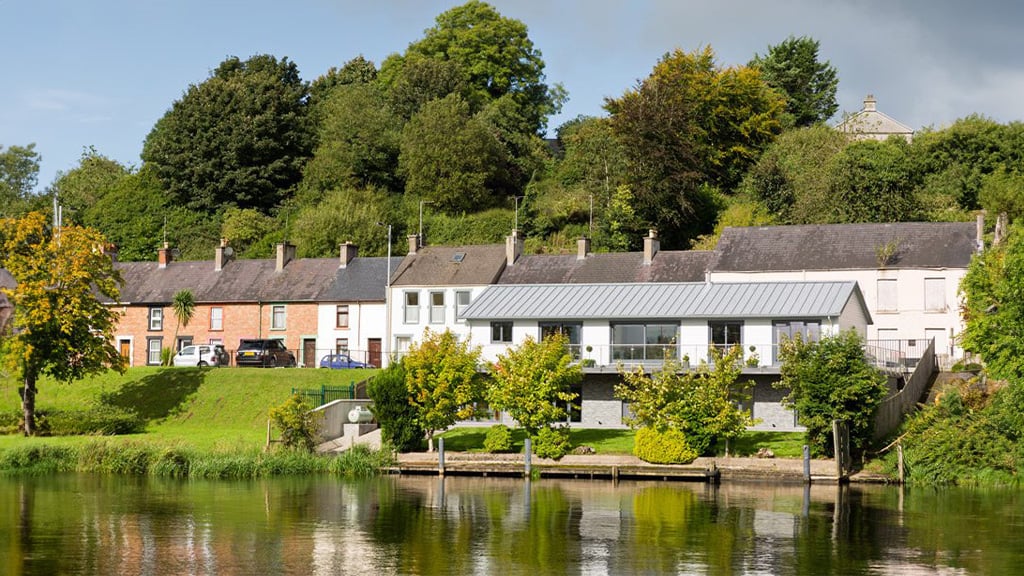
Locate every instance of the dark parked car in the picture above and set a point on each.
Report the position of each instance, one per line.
(338, 361)
(266, 352)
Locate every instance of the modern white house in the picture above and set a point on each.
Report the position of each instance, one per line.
(433, 285)
(614, 327)
(909, 272)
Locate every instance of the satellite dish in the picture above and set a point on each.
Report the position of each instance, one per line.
(229, 251)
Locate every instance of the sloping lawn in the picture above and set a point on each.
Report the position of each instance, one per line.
(204, 407)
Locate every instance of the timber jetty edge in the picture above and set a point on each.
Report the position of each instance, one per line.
(624, 467)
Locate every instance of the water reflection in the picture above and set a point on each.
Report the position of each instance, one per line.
(75, 524)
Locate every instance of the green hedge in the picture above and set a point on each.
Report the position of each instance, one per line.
(668, 447)
(102, 419)
(498, 439)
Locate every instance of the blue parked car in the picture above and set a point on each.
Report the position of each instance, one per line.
(339, 361)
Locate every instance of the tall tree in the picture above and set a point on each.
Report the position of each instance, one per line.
(792, 67)
(451, 158)
(358, 70)
(358, 141)
(184, 306)
(83, 186)
(533, 383)
(61, 326)
(688, 127)
(441, 375)
(239, 138)
(872, 181)
(19, 173)
(495, 57)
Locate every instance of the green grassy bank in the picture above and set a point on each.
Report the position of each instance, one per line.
(198, 422)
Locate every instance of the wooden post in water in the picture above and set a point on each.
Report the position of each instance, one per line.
(807, 464)
(527, 463)
(440, 456)
(899, 461)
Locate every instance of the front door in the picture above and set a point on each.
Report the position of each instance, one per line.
(373, 352)
(125, 347)
(309, 352)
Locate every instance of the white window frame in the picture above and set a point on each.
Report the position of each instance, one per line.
(460, 306)
(275, 322)
(411, 311)
(436, 310)
(216, 319)
(156, 318)
(150, 359)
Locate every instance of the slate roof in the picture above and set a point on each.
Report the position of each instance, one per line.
(302, 280)
(845, 246)
(478, 265)
(665, 301)
(612, 267)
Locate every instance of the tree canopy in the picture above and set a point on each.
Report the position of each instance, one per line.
(792, 67)
(62, 328)
(239, 138)
(19, 173)
(690, 126)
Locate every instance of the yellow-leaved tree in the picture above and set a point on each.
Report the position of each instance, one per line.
(61, 326)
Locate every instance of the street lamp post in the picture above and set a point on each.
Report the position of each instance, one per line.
(387, 300)
(419, 239)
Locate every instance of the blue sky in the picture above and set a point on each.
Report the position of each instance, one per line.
(82, 73)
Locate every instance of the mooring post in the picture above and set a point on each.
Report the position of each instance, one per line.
(527, 464)
(899, 461)
(440, 456)
(807, 463)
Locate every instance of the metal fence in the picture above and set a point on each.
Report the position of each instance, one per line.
(325, 394)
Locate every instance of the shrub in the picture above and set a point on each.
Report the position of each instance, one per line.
(299, 425)
(498, 439)
(668, 447)
(552, 443)
(391, 408)
(10, 422)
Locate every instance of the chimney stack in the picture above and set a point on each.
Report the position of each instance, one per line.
(651, 246)
(414, 243)
(513, 248)
(348, 252)
(285, 254)
(582, 248)
(221, 255)
(163, 256)
(870, 103)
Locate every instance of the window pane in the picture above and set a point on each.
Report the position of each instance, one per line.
(412, 307)
(277, 320)
(437, 307)
(501, 331)
(342, 321)
(935, 294)
(887, 301)
(216, 318)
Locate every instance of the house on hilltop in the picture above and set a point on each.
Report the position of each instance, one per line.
(870, 124)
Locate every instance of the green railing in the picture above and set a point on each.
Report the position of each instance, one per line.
(325, 394)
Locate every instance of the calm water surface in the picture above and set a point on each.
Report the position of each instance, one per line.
(76, 524)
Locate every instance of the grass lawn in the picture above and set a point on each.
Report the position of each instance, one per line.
(620, 441)
(207, 408)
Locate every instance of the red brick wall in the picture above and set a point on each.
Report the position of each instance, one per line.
(239, 321)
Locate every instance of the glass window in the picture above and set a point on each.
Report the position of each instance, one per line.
(437, 307)
(571, 330)
(156, 318)
(216, 318)
(153, 347)
(643, 341)
(412, 307)
(461, 303)
(501, 331)
(725, 335)
(887, 301)
(277, 317)
(342, 316)
(341, 345)
(935, 294)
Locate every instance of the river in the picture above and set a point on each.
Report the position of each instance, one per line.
(81, 524)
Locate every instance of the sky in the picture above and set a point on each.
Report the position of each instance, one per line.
(100, 73)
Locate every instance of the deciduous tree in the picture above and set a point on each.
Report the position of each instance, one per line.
(19, 173)
(62, 328)
(239, 138)
(702, 403)
(532, 382)
(443, 382)
(831, 380)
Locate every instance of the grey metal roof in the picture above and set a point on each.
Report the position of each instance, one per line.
(664, 300)
(611, 267)
(471, 265)
(845, 246)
